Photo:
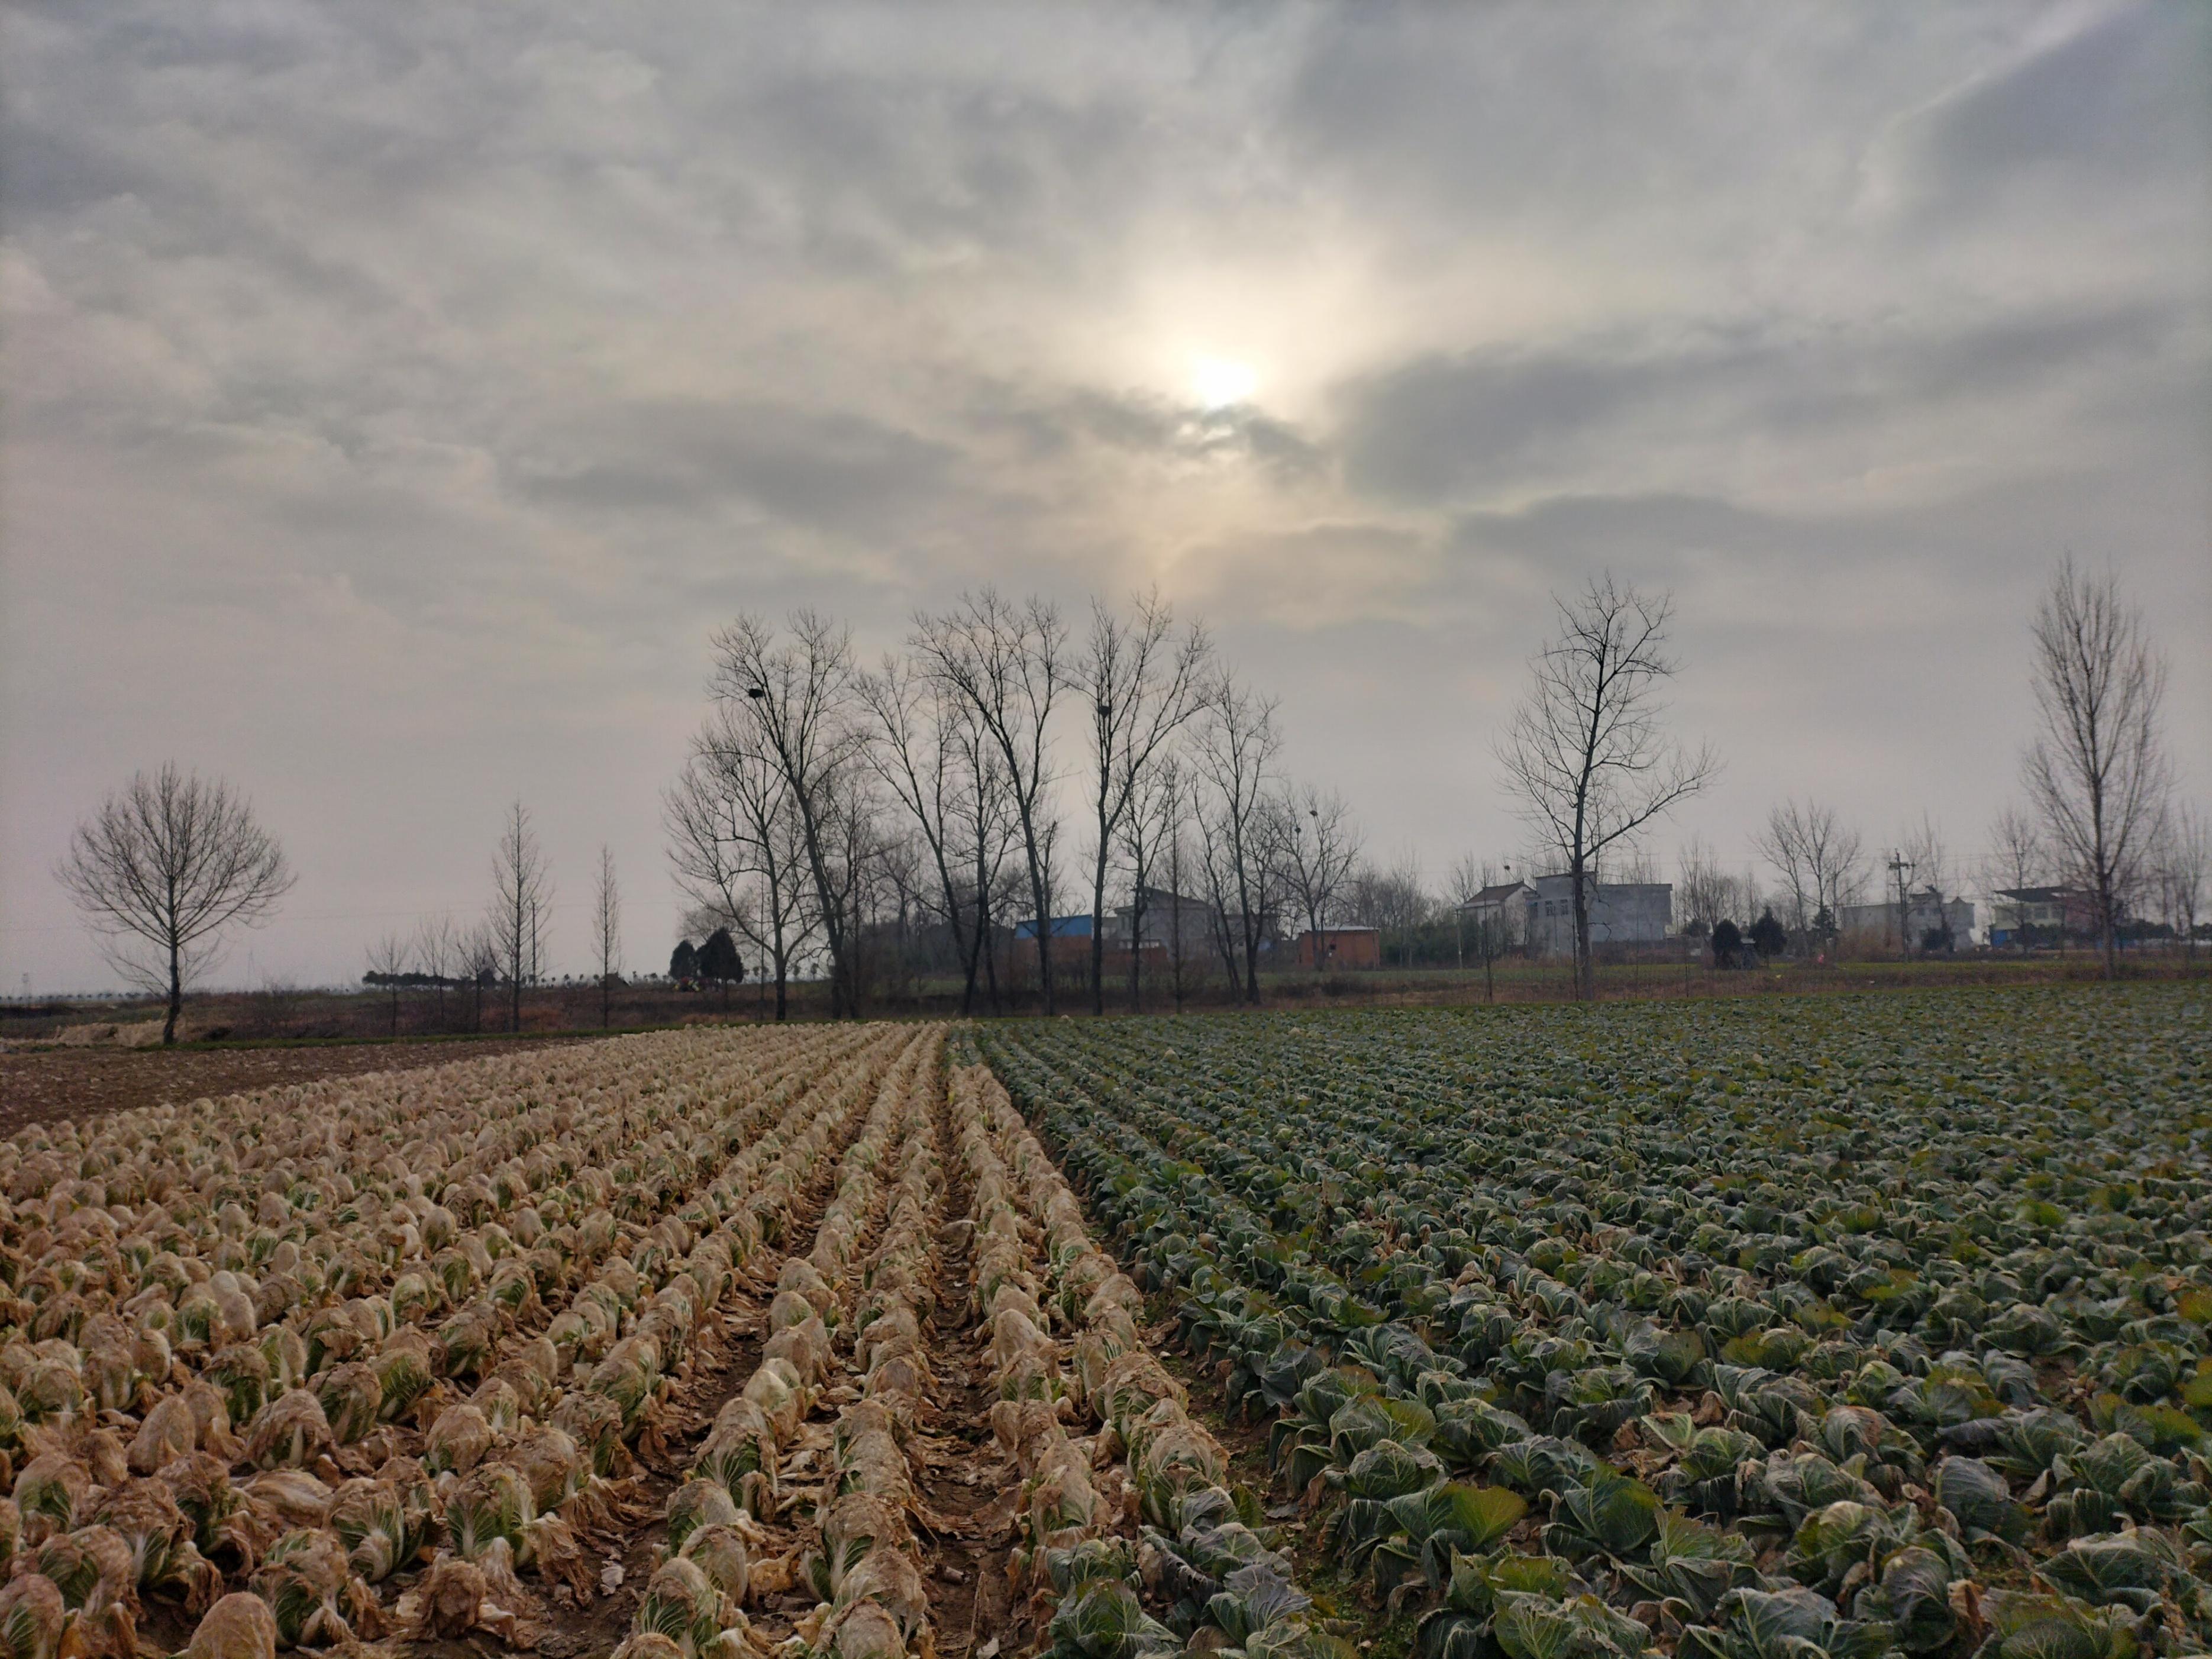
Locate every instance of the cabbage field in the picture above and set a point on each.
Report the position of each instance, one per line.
(1842, 1326)
(1778, 1330)
(694, 1346)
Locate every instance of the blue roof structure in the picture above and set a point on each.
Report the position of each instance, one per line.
(1062, 927)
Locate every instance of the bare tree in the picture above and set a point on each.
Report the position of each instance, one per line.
(1821, 859)
(1145, 684)
(1237, 744)
(990, 829)
(857, 857)
(388, 958)
(798, 697)
(167, 863)
(1469, 876)
(1585, 751)
(736, 846)
(1008, 663)
(522, 894)
(1492, 930)
(1926, 849)
(1318, 845)
(2097, 771)
(2184, 854)
(2018, 856)
(1703, 888)
(1778, 843)
(921, 750)
(1153, 824)
(1391, 901)
(1177, 819)
(606, 933)
(437, 951)
(480, 961)
(907, 895)
(1409, 903)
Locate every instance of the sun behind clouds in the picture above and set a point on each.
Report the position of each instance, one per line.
(1219, 382)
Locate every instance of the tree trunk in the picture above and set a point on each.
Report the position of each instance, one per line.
(1585, 969)
(1098, 940)
(990, 956)
(1043, 934)
(176, 995)
(974, 954)
(1137, 944)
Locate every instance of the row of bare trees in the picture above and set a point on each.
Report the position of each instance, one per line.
(505, 948)
(941, 786)
(820, 797)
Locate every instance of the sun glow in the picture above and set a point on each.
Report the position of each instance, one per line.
(1218, 382)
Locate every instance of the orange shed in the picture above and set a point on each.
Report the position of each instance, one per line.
(1341, 947)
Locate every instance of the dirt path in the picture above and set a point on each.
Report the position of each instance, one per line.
(968, 1481)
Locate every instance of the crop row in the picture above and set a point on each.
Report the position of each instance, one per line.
(1201, 1557)
(1592, 1332)
(866, 1277)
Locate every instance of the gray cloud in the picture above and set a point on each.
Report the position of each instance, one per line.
(1441, 427)
(836, 472)
(2115, 109)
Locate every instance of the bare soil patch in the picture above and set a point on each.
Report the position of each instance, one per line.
(46, 1085)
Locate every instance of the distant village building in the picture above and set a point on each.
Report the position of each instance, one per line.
(1620, 913)
(2040, 916)
(1341, 947)
(1164, 911)
(1927, 912)
(1504, 909)
(1068, 941)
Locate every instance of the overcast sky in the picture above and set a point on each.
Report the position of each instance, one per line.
(397, 397)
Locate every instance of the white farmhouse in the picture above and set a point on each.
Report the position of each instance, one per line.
(1620, 913)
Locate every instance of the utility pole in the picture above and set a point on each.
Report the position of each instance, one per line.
(1901, 868)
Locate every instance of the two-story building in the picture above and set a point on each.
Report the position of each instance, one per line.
(1620, 913)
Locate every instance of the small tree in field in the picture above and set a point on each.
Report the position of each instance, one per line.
(525, 894)
(2098, 769)
(1585, 752)
(684, 961)
(606, 934)
(166, 865)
